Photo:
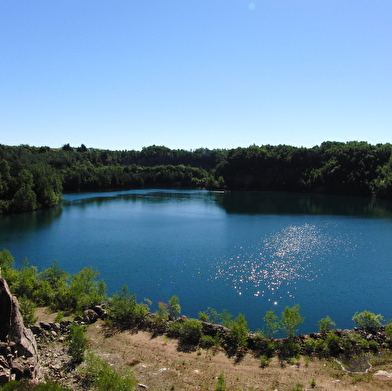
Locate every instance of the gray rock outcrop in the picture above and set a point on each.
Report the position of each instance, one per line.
(18, 348)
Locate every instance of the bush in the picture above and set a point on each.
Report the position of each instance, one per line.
(102, 377)
(309, 346)
(264, 361)
(288, 348)
(272, 322)
(189, 331)
(331, 345)
(77, 345)
(325, 325)
(124, 311)
(27, 309)
(238, 335)
(264, 346)
(208, 341)
(290, 320)
(26, 386)
(173, 307)
(367, 319)
(221, 386)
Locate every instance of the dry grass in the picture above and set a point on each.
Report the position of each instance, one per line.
(157, 363)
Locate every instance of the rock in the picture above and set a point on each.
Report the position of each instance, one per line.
(22, 351)
(383, 373)
(5, 375)
(100, 311)
(55, 326)
(45, 326)
(78, 319)
(90, 316)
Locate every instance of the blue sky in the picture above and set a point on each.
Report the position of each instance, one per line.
(124, 74)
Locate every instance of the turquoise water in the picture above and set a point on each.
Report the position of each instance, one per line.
(245, 252)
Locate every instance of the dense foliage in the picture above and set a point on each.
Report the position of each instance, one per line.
(34, 177)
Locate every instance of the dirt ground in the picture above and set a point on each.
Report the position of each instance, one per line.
(159, 365)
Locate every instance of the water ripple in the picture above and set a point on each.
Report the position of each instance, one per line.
(277, 261)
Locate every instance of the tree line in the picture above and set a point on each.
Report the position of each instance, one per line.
(35, 177)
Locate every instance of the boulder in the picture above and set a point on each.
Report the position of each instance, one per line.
(17, 343)
(90, 316)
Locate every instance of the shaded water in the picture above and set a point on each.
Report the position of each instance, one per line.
(246, 252)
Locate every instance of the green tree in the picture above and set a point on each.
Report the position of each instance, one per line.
(77, 345)
(367, 319)
(238, 335)
(272, 322)
(85, 290)
(173, 307)
(291, 319)
(6, 259)
(325, 325)
(124, 311)
(27, 309)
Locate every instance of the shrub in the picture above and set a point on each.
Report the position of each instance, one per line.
(332, 345)
(104, 378)
(173, 307)
(238, 335)
(388, 331)
(27, 386)
(272, 322)
(288, 348)
(124, 311)
(27, 309)
(265, 346)
(290, 320)
(190, 331)
(221, 386)
(264, 361)
(367, 319)
(325, 325)
(208, 341)
(77, 345)
(309, 346)
(85, 291)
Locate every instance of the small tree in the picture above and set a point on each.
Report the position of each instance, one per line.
(27, 309)
(238, 335)
(272, 322)
(290, 320)
(173, 307)
(124, 311)
(326, 324)
(367, 319)
(78, 344)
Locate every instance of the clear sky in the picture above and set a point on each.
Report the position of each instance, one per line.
(124, 74)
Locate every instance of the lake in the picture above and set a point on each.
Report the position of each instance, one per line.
(246, 252)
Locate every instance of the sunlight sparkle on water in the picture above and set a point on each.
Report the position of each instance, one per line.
(281, 259)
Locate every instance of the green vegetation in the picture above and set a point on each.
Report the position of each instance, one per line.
(101, 377)
(326, 325)
(290, 320)
(221, 385)
(79, 291)
(52, 287)
(367, 319)
(188, 331)
(77, 345)
(35, 177)
(123, 310)
(26, 386)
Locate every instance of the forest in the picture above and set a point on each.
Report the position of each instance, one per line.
(36, 177)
